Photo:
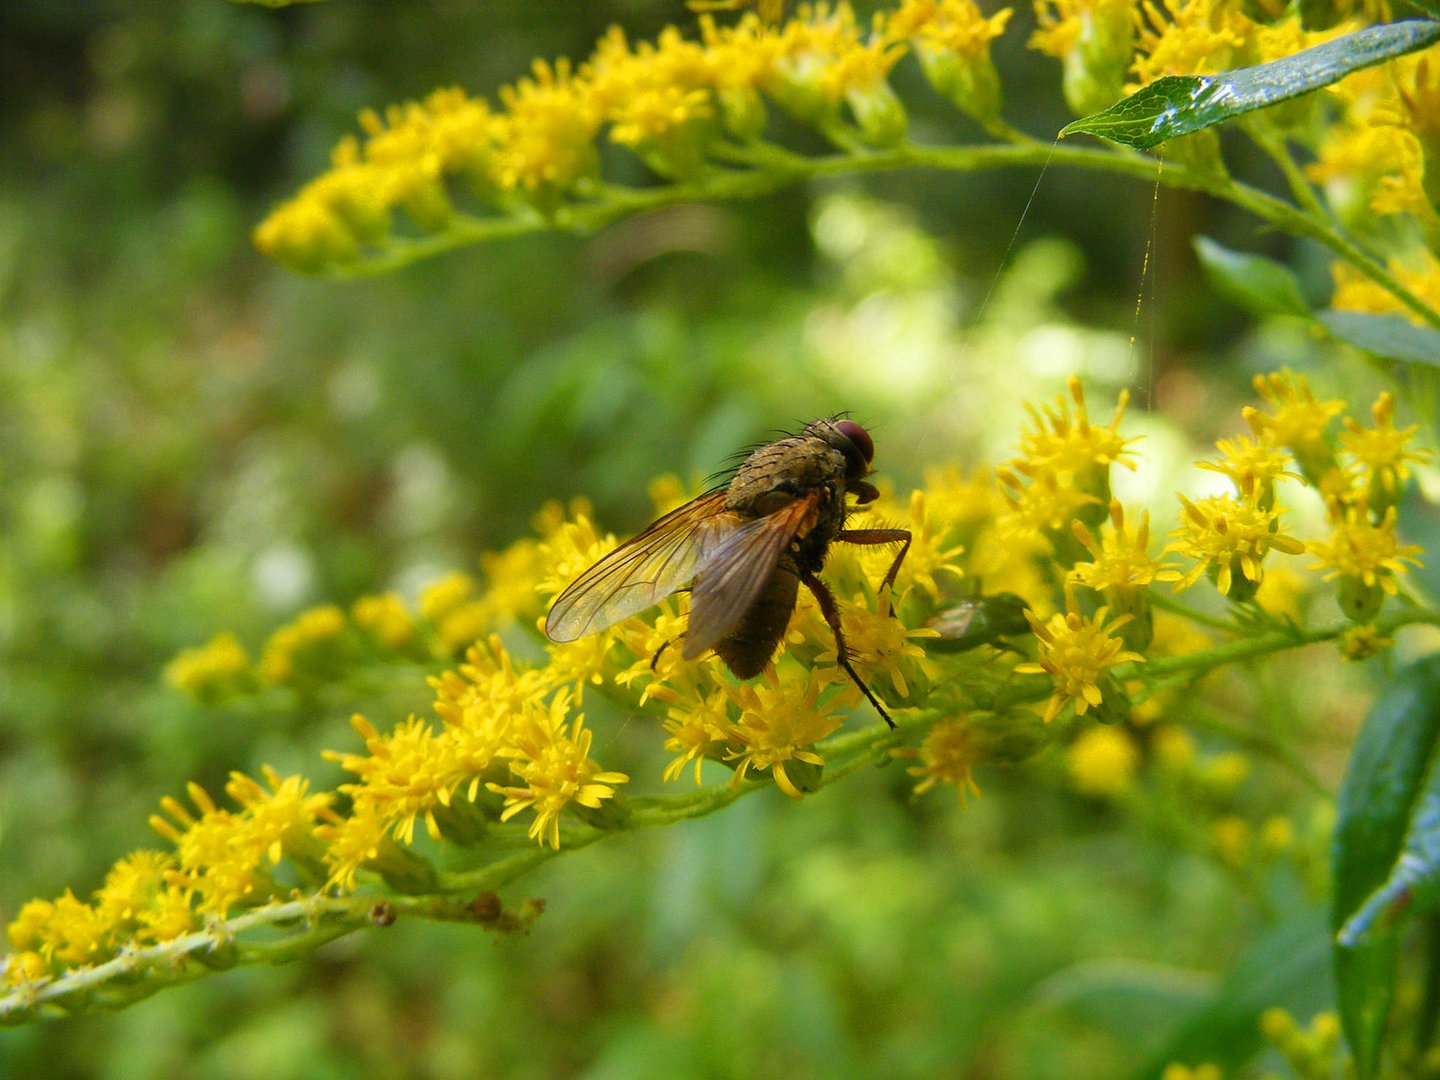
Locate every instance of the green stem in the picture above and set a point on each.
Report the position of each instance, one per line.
(1272, 142)
(1203, 660)
(778, 168)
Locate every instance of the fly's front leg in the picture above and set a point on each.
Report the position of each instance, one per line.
(873, 537)
(831, 611)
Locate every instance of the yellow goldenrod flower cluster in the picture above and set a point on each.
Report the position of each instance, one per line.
(1359, 474)
(223, 860)
(1418, 271)
(1230, 535)
(508, 756)
(323, 644)
(1379, 165)
(1383, 147)
(453, 168)
(1075, 650)
(1062, 474)
(683, 106)
(1114, 47)
(1095, 41)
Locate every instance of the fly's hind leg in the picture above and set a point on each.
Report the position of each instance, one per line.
(872, 537)
(831, 612)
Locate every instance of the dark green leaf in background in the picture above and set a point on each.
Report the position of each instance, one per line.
(1260, 285)
(1390, 337)
(1375, 815)
(1285, 967)
(1137, 1002)
(1183, 104)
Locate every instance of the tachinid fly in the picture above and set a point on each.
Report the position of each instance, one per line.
(745, 549)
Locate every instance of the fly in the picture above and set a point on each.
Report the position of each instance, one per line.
(745, 549)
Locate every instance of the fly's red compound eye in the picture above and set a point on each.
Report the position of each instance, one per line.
(859, 436)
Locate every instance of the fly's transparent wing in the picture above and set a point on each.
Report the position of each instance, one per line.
(731, 577)
(642, 571)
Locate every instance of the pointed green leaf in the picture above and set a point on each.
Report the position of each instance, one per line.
(1256, 283)
(1182, 104)
(1413, 887)
(1374, 811)
(1390, 337)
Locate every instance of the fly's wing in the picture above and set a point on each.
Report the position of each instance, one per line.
(642, 571)
(732, 576)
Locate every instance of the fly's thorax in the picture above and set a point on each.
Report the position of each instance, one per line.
(779, 472)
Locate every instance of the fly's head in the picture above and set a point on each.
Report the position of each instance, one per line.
(856, 448)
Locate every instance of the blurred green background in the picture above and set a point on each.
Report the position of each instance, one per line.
(193, 440)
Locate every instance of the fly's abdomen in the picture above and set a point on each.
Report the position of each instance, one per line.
(750, 645)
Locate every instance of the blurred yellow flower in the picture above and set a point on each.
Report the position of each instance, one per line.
(1382, 452)
(1187, 37)
(1364, 550)
(213, 672)
(386, 619)
(1231, 836)
(948, 755)
(1103, 761)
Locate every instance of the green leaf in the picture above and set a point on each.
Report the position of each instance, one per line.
(1286, 967)
(1413, 887)
(1182, 104)
(1390, 337)
(1258, 284)
(1374, 815)
(1128, 998)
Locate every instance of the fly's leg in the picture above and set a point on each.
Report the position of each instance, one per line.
(831, 612)
(871, 537)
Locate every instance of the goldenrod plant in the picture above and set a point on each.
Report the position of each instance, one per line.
(1052, 619)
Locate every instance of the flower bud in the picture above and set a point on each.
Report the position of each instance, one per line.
(804, 776)
(1094, 70)
(402, 869)
(742, 111)
(1359, 600)
(969, 82)
(1199, 152)
(610, 814)
(879, 114)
